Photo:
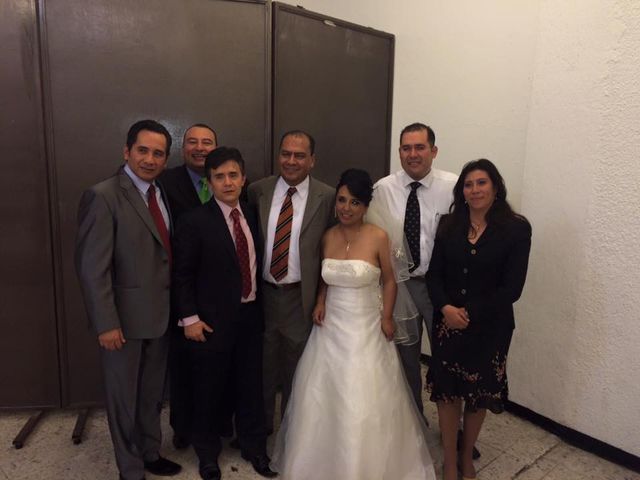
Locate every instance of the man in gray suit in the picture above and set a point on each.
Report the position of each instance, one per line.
(294, 210)
(123, 261)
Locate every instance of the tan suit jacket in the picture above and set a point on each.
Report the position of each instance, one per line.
(318, 216)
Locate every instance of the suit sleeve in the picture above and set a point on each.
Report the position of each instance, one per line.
(331, 207)
(94, 260)
(514, 274)
(187, 248)
(435, 275)
(252, 195)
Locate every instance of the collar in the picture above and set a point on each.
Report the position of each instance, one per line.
(282, 186)
(426, 181)
(194, 176)
(140, 184)
(226, 209)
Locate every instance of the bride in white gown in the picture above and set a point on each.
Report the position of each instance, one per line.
(351, 415)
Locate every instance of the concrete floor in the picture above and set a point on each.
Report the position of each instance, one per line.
(511, 448)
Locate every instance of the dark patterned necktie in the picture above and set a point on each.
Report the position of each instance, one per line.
(242, 251)
(412, 225)
(280, 253)
(156, 214)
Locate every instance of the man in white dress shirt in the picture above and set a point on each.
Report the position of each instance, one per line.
(420, 194)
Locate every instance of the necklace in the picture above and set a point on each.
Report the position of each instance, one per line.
(346, 239)
(476, 229)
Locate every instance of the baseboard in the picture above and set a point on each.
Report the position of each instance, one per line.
(577, 439)
(569, 435)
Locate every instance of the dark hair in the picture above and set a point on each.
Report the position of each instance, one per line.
(222, 155)
(299, 133)
(419, 127)
(359, 184)
(500, 211)
(150, 125)
(201, 125)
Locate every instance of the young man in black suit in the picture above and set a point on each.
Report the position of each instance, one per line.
(216, 300)
(186, 187)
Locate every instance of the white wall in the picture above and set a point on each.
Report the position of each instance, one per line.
(462, 67)
(576, 353)
(549, 91)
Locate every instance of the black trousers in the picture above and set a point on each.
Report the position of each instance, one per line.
(212, 372)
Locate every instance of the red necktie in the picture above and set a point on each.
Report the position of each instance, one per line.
(156, 214)
(280, 253)
(242, 251)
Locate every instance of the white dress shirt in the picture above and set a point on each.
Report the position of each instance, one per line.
(299, 201)
(434, 196)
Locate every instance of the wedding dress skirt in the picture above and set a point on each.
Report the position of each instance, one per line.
(350, 415)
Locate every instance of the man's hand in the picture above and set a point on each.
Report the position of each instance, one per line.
(196, 330)
(112, 339)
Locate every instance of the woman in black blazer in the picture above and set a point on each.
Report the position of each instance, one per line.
(477, 272)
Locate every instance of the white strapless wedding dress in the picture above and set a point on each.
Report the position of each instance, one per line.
(351, 415)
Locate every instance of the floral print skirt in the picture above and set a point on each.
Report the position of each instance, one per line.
(469, 365)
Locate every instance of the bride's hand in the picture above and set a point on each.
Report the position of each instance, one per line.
(388, 328)
(318, 314)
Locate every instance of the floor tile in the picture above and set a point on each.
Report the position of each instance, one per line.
(512, 449)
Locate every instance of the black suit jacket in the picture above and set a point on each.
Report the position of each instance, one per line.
(207, 279)
(180, 191)
(485, 278)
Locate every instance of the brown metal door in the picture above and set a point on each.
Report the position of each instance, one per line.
(112, 62)
(29, 348)
(333, 79)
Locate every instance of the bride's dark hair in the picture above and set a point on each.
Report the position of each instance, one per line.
(359, 184)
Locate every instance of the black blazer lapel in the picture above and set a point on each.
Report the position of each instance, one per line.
(222, 230)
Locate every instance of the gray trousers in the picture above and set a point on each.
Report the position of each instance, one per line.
(285, 336)
(134, 380)
(410, 354)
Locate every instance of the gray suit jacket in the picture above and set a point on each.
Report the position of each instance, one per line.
(123, 268)
(318, 216)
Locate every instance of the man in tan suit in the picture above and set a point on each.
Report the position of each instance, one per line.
(294, 210)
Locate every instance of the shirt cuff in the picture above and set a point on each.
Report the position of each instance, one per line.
(185, 322)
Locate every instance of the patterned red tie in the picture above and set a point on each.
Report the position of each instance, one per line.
(242, 251)
(280, 253)
(156, 214)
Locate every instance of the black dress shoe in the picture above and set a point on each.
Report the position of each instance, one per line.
(162, 467)
(226, 429)
(475, 454)
(180, 442)
(210, 471)
(122, 478)
(260, 464)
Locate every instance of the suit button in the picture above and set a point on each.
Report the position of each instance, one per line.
(463, 291)
(473, 251)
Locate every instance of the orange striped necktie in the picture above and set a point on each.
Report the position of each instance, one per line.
(280, 252)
